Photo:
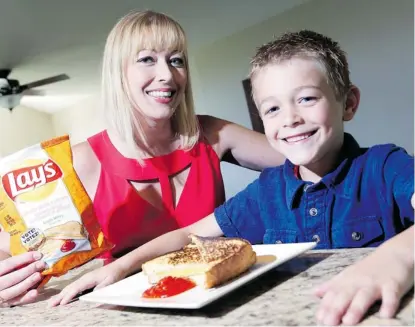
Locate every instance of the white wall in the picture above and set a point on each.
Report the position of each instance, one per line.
(23, 127)
(79, 121)
(378, 36)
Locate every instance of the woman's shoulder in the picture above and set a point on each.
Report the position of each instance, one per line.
(210, 127)
(84, 156)
(87, 166)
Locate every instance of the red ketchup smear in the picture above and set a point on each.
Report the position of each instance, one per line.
(169, 286)
(67, 246)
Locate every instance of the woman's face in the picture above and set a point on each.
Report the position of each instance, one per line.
(157, 82)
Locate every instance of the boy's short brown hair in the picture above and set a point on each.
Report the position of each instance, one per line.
(307, 44)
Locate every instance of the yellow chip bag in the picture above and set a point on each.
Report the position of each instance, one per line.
(45, 208)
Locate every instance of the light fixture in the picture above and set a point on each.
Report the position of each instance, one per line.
(10, 101)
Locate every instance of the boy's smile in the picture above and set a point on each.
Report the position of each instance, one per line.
(302, 117)
(302, 137)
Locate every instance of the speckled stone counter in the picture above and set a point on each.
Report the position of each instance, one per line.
(281, 297)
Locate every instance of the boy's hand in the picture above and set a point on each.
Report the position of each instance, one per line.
(386, 274)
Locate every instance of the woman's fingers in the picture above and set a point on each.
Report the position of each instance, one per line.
(26, 298)
(18, 261)
(9, 294)
(29, 297)
(72, 290)
(20, 275)
(97, 279)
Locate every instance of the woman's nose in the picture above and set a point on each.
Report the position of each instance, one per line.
(164, 71)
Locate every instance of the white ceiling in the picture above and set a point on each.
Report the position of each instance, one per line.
(41, 38)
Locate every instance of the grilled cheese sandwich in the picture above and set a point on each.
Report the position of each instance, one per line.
(208, 261)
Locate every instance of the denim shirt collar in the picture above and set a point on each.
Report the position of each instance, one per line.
(332, 180)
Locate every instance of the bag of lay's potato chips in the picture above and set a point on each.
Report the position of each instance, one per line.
(44, 207)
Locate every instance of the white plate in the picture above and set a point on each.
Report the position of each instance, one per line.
(127, 292)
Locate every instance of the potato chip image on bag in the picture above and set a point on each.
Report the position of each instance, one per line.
(45, 208)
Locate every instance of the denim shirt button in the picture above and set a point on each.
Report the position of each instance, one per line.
(356, 236)
(313, 212)
(316, 238)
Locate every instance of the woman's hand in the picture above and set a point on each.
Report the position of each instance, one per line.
(18, 276)
(95, 279)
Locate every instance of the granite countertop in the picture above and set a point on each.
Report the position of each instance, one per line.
(280, 297)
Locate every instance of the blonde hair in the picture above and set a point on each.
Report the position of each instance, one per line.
(307, 44)
(134, 32)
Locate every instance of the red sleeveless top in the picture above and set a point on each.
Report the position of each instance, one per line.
(128, 220)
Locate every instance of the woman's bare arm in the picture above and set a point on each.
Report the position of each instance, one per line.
(87, 167)
(243, 146)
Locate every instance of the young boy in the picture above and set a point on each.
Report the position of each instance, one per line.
(330, 190)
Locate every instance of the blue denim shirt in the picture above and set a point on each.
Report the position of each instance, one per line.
(363, 202)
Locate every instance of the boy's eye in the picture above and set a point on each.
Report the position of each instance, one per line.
(306, 99)
(146, 60)
(271, 110)
(177, 62)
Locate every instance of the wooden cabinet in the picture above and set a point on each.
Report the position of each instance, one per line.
(256, 120)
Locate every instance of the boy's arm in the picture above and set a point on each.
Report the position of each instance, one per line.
(386, 274)
(398, 176)
(169, 242)
(240, 216)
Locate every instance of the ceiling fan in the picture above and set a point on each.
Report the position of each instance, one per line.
(11, 91)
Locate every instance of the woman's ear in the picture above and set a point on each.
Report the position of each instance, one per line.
(352, 103)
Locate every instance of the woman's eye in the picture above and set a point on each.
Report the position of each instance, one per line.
(177, 62)
(146, 60)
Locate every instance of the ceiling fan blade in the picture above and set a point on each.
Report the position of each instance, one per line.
(4, 73)
(45, 81)
(34, 92)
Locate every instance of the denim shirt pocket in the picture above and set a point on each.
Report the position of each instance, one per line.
(362, 232)
(273, 236)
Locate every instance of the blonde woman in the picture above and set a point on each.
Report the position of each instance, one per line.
(156, 167)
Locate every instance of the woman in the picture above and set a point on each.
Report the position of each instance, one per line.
(156, 167)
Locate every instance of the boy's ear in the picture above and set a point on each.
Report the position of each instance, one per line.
(352, 103)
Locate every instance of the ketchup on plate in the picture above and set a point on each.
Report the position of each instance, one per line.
(169, 286)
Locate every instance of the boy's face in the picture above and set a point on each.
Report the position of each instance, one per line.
(302, 118)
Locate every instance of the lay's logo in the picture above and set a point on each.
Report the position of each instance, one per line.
(31, 179)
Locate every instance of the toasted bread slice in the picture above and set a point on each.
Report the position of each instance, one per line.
(207, 261)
